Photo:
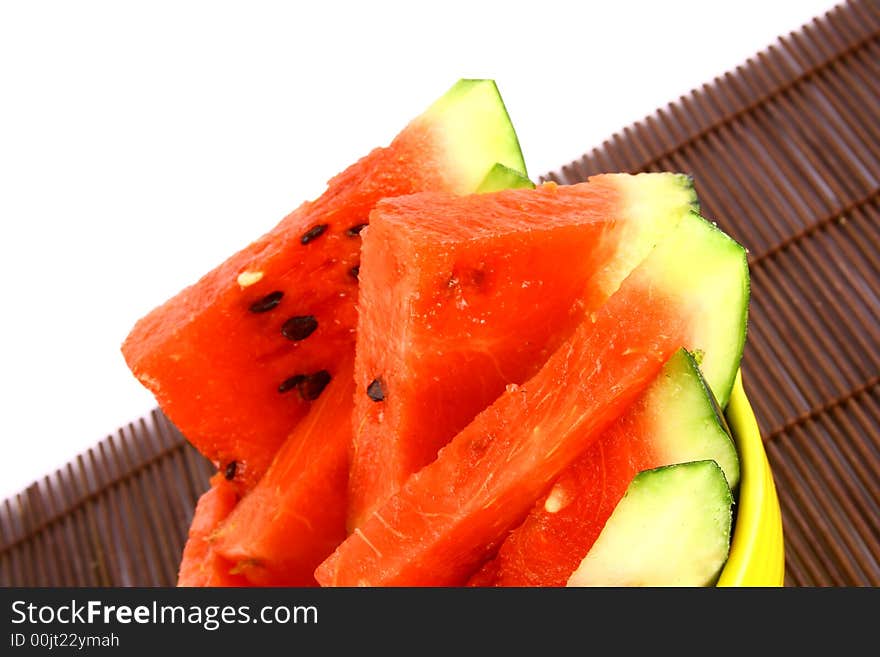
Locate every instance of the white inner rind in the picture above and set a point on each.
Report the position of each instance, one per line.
(654, 204)
(475, 131)
(708, 270)
(683, 422)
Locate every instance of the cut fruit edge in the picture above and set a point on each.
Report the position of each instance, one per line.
(467, 140)
(671, 528)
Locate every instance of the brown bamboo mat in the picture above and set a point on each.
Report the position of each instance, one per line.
(785, 153)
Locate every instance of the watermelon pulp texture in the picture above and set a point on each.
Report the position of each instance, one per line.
(463, 295)
(200, 564)
(295, 516)
(450, 516)
(235, 359)
(673, 421)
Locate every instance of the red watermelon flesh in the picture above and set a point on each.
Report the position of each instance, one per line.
(295, 516)
(235, 359)
(549, 545)
(673, 421)
(200, 564)
(451, 515)
(463, 295)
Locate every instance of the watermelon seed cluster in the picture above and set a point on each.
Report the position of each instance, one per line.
(300, 327)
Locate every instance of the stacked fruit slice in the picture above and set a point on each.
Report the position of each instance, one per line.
(440, 374)
(449, 516)
(673, 421)
(236, 359)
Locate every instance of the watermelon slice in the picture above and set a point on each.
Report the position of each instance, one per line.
(295, 516)
(452, 514)
(200, 564)
(672, 528)
(236, 359)
(461, 296)
(675, 420)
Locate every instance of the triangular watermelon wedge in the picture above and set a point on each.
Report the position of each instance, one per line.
(200, 564)
(675, 420)
(462, 296)
(236, 359)
(452, 514)
(295, 516)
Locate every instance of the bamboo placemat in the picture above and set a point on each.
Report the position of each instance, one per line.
(785, 153)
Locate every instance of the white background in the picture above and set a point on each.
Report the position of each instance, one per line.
(142, 143)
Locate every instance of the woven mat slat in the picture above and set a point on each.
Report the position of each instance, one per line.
(785, 154)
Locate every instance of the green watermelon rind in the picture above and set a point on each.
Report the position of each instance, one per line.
(672, 528)
(686, 422)
(477, 131)
(501, 177)
(720, 332)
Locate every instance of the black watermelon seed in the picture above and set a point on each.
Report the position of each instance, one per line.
(300, 327)
(375, 391)
(311, 387)
(354, 231)
(313, 233)
(229, 473)
(291, 382)
(354, 271)
(267, 303)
